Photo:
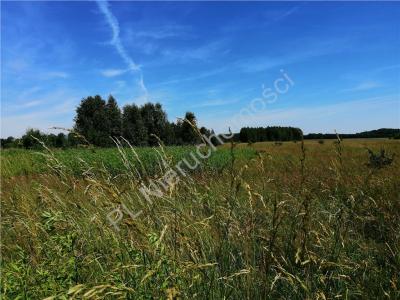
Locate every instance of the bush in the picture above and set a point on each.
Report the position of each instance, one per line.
(378, 161)
(31, 139)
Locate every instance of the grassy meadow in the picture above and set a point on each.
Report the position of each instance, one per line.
(298, 220)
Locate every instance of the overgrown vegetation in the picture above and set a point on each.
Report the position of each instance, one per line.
(299, 221)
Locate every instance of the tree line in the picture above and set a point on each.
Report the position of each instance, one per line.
(97, 121)
(378, 133)
(271, 133)
(32, 138)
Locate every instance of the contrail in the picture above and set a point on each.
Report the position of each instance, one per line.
(116, 42)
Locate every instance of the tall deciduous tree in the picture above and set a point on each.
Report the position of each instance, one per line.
(91, 120)
(133, 128)
(155, 121)
(32, 138)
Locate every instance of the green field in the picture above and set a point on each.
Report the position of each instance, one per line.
(17, 162)
(290, 221)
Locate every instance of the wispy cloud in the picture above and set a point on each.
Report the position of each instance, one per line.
(145, 93)
(281, 15)
(204, 52)
(29, 92)
(149, 39)
(359, 115)
(29, 104)
(46, 99)
(50, 114)
(314, 48)
(217, 102)
(386, 68)
(264, 18)
(55, 74)
(198, 76)
(44, 121)
(163, 32)
(363, 86)
(116, 41)
(113, 72)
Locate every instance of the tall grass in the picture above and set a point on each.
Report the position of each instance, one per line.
(293, 221)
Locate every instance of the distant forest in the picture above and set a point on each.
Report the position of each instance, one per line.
(273, 133)
(97, 121)
(379, 133)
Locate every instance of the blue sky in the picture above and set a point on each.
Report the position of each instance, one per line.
(212, 58)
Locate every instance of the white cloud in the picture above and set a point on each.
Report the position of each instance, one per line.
(43, 112)
(145, 94)
(363, 86)
(54, 116)
(268, 17)
(198, 76)
(113, 72)
(217, 102)
(386, 68)
(116, 41)
(55, 74)
(164, 32)
(29, 104)
(146, 37)
(202, 53)
(315, 48)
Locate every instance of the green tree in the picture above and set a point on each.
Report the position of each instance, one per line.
(188, 132)
(155, 120)
(8, 142)
(30, 140)
(51, 140)
(169, 134)
(133, 128)
(114, 118)
(61, 140)
(91, 121)
(73, 140)
(176, 133)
